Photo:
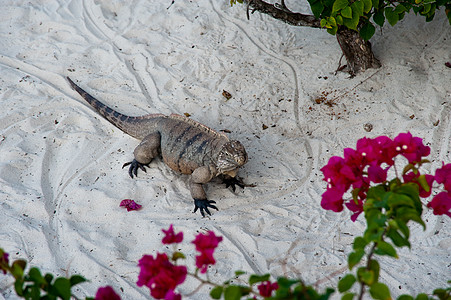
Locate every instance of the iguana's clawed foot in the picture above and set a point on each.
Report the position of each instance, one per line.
(233, 181)
(203, 204)
(134, 166)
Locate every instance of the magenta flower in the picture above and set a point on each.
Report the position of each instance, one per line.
(376, 151)
(443, 175)
(441, 204)
(170, 236)
(337, 172)
(160, 275)
(170, 295)
(266, 288)
(376, 174)
(130, 204)
(332, 199)
(411, 147)
(357, 209)
(206, 245)
(4, 261)
(106, 293)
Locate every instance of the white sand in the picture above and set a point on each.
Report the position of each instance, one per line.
(60, 163)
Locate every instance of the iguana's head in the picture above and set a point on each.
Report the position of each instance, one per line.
(232, 156)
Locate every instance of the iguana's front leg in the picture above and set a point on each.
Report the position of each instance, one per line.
(200, 176)
(148, 149)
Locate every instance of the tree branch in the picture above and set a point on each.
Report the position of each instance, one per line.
(284, 15)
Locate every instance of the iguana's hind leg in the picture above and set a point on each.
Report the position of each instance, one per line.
(198, 177)
(148, 149)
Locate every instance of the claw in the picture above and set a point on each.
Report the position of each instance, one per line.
(134, 166)
(232, 181)
(203, 205)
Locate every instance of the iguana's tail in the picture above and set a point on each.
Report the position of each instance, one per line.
(130, 125)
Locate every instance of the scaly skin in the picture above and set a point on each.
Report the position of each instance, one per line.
(186, 146)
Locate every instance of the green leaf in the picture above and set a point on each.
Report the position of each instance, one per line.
(317, 8)
(48, 278)
(423, 183)
(239, 273)
(253, 279)
(366, 276)
(232, 292)
(35, 275)
(395, 199)
(352, 23)
(17, 268)
(359, 243)
(348, 296)
(374, 266)
(339, 20)
(346, 12)
(62, 287)
(18, 286)
(332, 26)
(76, 279)
(357, 6)
(405, 297)
(177, 255)
(285, 282)
(354, 258)
(367, 31)
(406, 214)
(379, 18)
(391, 16)
(384, 248)
(339, 5)
(346, 283)
(367, 5)
(380, 291)
(422, 297)
(441, 293)
(332, 30)
(235, 292)
(216, 292)
(397, 238)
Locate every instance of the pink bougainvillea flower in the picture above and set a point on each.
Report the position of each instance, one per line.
(266, 288)
(357, 209)
(411, 147)
(106, 293)
(170, 295)
(443, 175)
(171, 237)
(410, 177)
(4, 261)
(130, 204)
(386, 150)
(332, 199)
(206, 245)
(337, 172)
(160, 275)
(376, 174)
(368, 149)
(204, 260)
(441, 204)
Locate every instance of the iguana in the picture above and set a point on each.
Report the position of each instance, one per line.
(186, 146)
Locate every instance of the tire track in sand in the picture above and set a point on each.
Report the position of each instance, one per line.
(303, 127)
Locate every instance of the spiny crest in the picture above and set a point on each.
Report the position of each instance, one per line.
(198, 125)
